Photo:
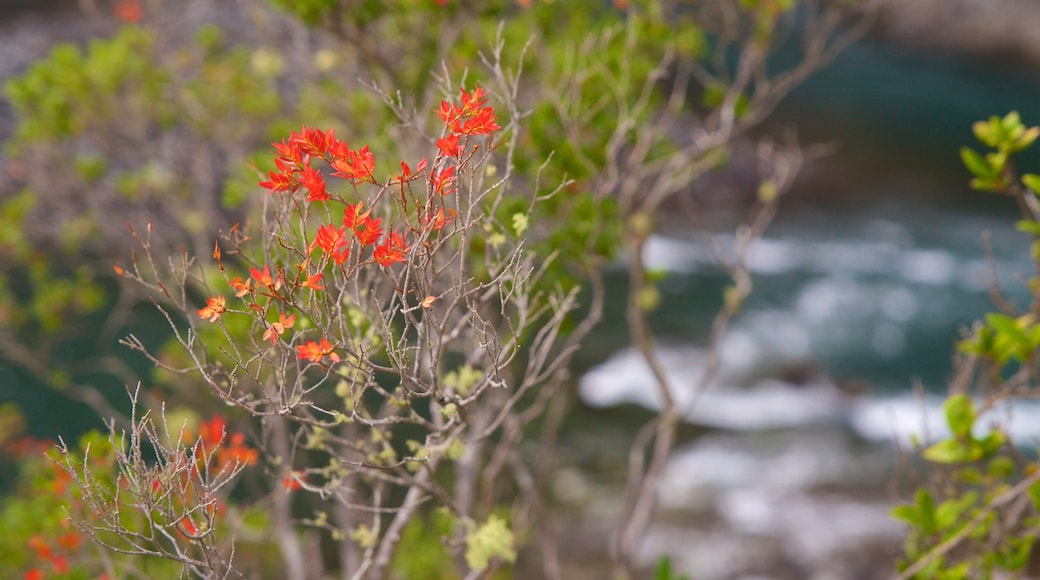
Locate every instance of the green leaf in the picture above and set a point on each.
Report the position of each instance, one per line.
(993, 185)
(1011, 122)
(992, 443)
(925, 510)
(1025, 140)
(976, 164)
(664, 569)
(907, 513)
(952, 451)
(1029, 226)
(1034, 495)
(1014, 554)
(492, 540)
(1032, 181)
(960, 415)
(1006, 326)
(987, 131)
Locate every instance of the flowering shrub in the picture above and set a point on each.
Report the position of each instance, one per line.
(382, 345)
(182, 507)
(386, 333)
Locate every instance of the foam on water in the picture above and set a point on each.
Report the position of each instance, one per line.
(739, 400)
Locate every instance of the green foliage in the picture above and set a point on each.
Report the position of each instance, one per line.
(963, 447)
(962, 527)
(664, 570)
(73, 91)
(492, 540)
(422, 554)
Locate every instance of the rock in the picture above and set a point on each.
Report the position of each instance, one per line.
(979, 28)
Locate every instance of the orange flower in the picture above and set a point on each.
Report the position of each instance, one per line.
(391, 250)
(353, 165)
(436, 222)
(370, 232)
(353, 216)
(237, 452)
(70, 540)
(472, 118)
(264, 277)
(284, 179)
(314, 351)
(483, 123)
(443, 181)
(291, 482)
(215, 306)
(333, 241)
(314, 282)
(241, 288)
(313, 141)
(314, 181)
(276, 329)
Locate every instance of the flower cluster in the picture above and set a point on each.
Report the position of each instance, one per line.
(360, 238)
(471, 117)
(224, 450)
(56, 554)
(295, 155)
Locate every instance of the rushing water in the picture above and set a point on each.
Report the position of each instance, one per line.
(873, 270)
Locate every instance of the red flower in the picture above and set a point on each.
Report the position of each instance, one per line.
(440, 220)
(289, 153)
(392, 250)
(442, 181)
(353, 217)
(314, 282)
(472, 118)
(354, 165)
(334, 242)
(449, 145)
(313, 141)
(284, 179)
(212, 432)
(291, 482)
(370, 231)
(215, 306)
(483, 123)
(448, 113)
(264, 277)
(313, 180)
(128, 11)
(314, 351)
(471, 102)
(34, 574)
(60, 564)
(40, 546)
